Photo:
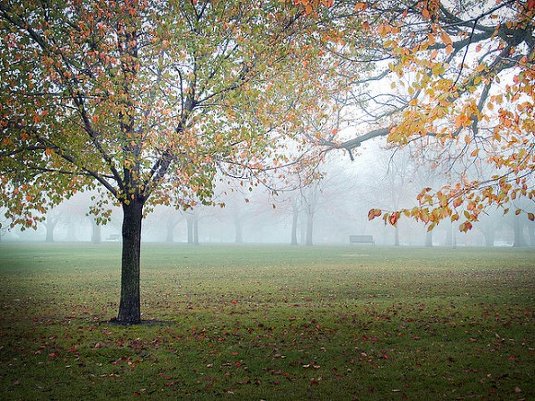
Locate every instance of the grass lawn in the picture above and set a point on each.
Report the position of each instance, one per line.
(269, 323)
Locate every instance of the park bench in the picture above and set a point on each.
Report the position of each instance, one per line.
(113, 237)
(361, 239)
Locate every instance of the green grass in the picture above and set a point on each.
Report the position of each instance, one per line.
(272, 323)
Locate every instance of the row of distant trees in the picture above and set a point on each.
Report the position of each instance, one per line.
(301, 222)
(326, 209)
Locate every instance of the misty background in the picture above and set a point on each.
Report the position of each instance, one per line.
(325, 211)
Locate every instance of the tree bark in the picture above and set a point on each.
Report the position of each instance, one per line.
(295, 219)
(518, 227)
(429, 239)
(310, 228)
(448, 240)
(96, 233)
(302, 232)
(50, 226)
(489, 235)
(531, 233)
(170, 237)
(129, 308)
(195, 230)
(189, 222)
(238, 237)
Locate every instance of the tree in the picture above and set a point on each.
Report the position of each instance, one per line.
(460, 77)
(4, 226)
(53, 217)
(96, 232)
(146, 101)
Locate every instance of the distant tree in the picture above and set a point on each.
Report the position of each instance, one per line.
(295, 220)
(96, 231)
(192, 221)
(170, 226)
(53, 217)
(4, 226)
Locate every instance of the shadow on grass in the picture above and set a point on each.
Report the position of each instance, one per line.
(148, 322)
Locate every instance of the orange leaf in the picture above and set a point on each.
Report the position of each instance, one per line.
(360, 6)
(373, 213)
(446, 38)
(383, 29)
(426, 14)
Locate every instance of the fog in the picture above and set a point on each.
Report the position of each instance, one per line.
(326, 211)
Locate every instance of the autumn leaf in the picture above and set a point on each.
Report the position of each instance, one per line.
(426, 14)
(373, 213)
(446, 39)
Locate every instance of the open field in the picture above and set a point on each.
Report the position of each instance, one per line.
(271, 323)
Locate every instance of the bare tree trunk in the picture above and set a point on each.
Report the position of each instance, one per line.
(195, 230)
(302, 232)
(171, 224)
(189, 222)
(50, 226)
(429, 239)
(96, 233)
(489, 235)
(396, 236)
(129, 308)
(531, 233)
(310, 228)
(519, 240)
(238, 238)
(295, 219)
(449, 235)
